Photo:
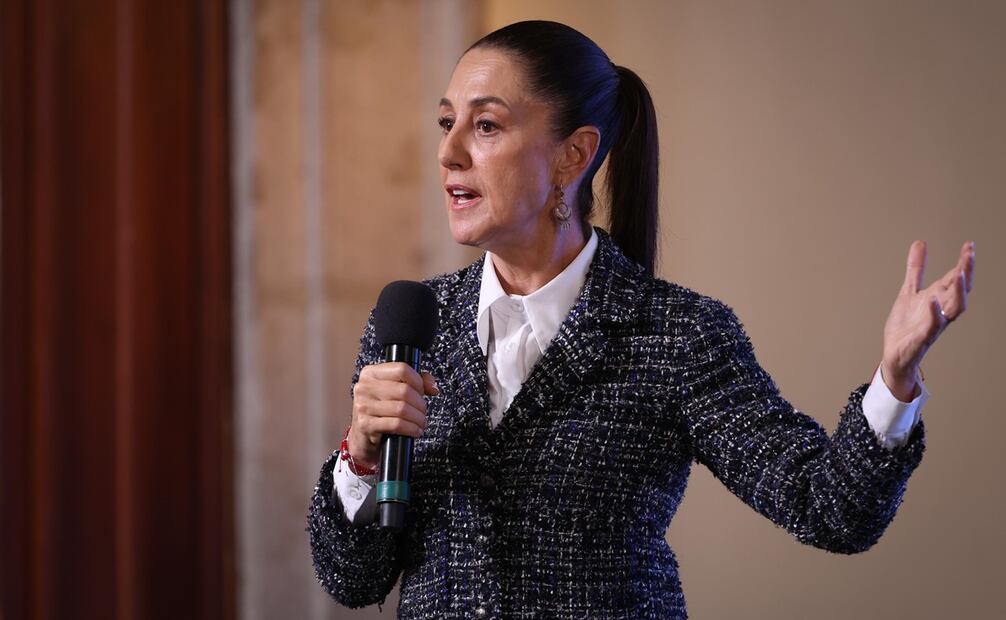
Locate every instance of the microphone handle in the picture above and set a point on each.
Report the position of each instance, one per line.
(396, 454)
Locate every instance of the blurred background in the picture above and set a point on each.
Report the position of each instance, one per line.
(201, 201)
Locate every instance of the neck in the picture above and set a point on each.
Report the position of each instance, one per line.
(525, 268)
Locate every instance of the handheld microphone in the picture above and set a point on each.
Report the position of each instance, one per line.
(405, 323)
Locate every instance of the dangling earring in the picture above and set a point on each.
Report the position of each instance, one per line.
(562, 211)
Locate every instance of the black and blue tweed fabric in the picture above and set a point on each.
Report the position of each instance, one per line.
(561, 510)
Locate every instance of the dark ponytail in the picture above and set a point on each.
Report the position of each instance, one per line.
(633, 172)
(584, 88)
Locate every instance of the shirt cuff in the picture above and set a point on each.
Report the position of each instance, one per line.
(357, 494)
(891, 420)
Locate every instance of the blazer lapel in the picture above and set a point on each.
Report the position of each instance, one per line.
(573, 355)
(577, 349)
(470, 366)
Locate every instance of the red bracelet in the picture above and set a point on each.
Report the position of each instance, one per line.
(344, 455)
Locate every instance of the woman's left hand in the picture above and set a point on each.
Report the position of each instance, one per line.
(920, 316)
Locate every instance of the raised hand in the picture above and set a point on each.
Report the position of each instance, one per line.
(920, 315)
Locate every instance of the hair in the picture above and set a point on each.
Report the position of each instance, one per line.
(584, 88)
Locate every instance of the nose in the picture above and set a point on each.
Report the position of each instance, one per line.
(453, 152)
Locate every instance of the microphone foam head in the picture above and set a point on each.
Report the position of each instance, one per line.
(406, 313)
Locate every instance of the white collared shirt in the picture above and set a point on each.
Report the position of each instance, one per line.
(514, 331)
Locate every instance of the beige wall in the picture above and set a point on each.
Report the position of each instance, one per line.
(337, 193)
(804, 145)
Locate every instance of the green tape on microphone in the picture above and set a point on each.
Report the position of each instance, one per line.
(393, 491)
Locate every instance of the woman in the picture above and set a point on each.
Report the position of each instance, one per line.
(569, 390)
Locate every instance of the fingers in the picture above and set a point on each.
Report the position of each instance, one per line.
(374, 416)
(376, 427)
(961, 298)
(954, 286)
(948, 279)
(388, 399)
(367, 392)
(968, 266)
(395, 371)
(965, 265)
(956, 298)
(939, 322)
(915, 269)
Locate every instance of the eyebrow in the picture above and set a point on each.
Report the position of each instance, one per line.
(477, 102)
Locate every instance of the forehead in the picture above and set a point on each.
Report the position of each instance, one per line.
(484, 72)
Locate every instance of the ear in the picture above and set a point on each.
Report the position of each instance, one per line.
(576, 153)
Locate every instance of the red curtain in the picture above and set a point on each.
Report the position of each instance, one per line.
(115, 305)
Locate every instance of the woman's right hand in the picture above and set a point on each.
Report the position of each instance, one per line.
(387, 400)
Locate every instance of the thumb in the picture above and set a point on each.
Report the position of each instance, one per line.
(430, 385)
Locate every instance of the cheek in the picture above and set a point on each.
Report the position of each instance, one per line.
(519, 179)
(500, 174)
(533, 180)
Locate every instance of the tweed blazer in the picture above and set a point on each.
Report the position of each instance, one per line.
(561, 510)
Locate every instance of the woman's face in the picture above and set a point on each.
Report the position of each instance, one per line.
(497, 154)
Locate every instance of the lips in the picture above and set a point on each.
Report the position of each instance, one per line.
(462, 196)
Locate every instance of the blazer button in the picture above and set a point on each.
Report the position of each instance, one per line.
(487, 482)
(480, 612)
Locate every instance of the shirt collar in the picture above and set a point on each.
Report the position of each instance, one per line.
(547, 307)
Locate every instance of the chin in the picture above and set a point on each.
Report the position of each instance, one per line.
(466, 238)
(464, 232)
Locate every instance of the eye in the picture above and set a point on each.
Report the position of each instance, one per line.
(445, 123)
(486, 127)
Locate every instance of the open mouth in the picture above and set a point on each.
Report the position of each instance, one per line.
(462, 196)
